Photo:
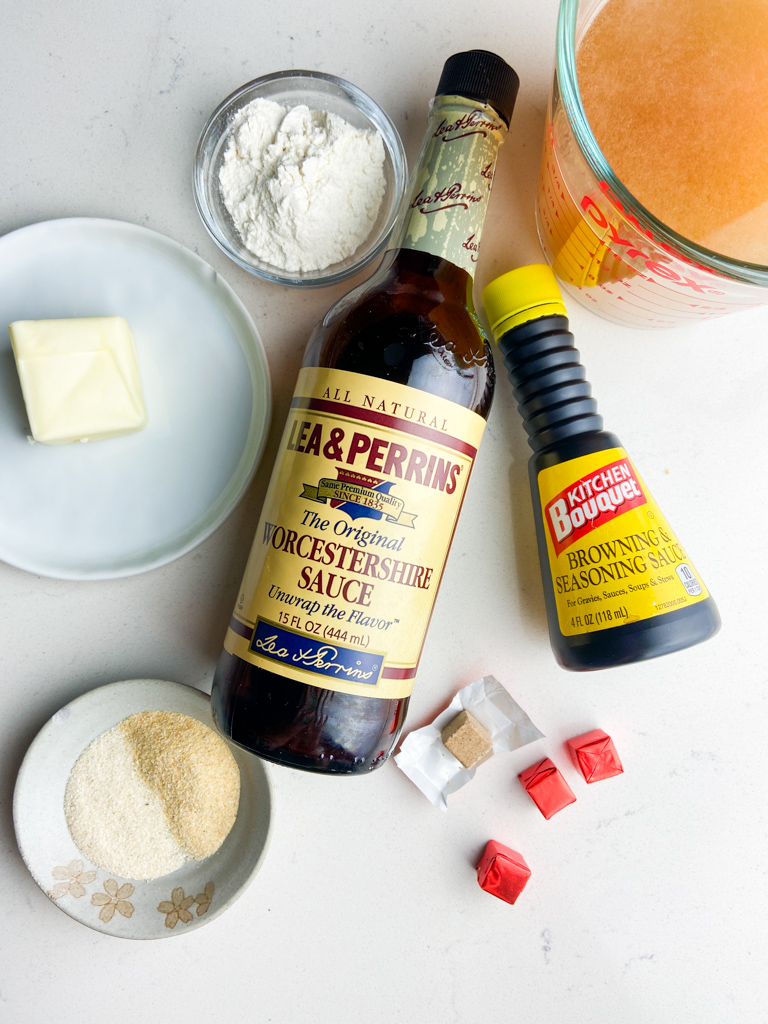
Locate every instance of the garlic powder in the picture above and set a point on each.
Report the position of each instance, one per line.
(158, 789)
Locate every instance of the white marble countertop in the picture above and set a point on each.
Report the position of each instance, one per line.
(647, 898)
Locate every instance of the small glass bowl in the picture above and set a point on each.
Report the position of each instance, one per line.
(318, 92)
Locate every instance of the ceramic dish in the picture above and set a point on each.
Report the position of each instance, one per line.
(318, 92)
(118, 507)
(126, 907)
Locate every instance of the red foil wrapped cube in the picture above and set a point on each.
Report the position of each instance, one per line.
(595, 755)
(502, 872)
(547, 787)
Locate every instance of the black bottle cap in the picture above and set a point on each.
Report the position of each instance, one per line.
(483, 76)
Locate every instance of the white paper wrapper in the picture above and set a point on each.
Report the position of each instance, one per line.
(434, 769)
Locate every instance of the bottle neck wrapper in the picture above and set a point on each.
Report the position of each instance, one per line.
(450, 187)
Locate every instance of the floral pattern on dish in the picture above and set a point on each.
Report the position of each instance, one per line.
(177, 908)
(113, 899)
(71, 880)
(203, 899)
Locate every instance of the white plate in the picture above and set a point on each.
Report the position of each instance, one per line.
(55, 862)
(118, 507)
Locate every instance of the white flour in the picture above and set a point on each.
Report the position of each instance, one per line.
(303, 187)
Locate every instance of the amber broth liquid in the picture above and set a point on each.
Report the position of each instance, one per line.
(676, 94)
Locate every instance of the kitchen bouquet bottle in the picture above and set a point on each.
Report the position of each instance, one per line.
(618, 584)
(389, 408)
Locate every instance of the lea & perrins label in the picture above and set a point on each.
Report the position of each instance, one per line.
(354, 533)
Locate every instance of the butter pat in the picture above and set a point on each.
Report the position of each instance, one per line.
(79, 378)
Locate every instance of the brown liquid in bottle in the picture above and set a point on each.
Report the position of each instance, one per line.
(413, 324)
(409, 324)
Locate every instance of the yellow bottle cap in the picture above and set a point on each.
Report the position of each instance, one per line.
(522, 295)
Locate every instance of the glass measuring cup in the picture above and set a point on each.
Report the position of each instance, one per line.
(608, 251)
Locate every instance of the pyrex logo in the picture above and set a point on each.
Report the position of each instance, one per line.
(592, 501)
(615, 241)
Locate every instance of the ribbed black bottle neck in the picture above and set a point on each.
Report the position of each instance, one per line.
(482, 76)
(554, 398)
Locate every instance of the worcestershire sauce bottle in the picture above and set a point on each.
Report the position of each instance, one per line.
(390, 405)
(618, 584)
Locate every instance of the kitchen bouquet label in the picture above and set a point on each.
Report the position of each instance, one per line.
(452, 185)
(354, 533)
(613, 556)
